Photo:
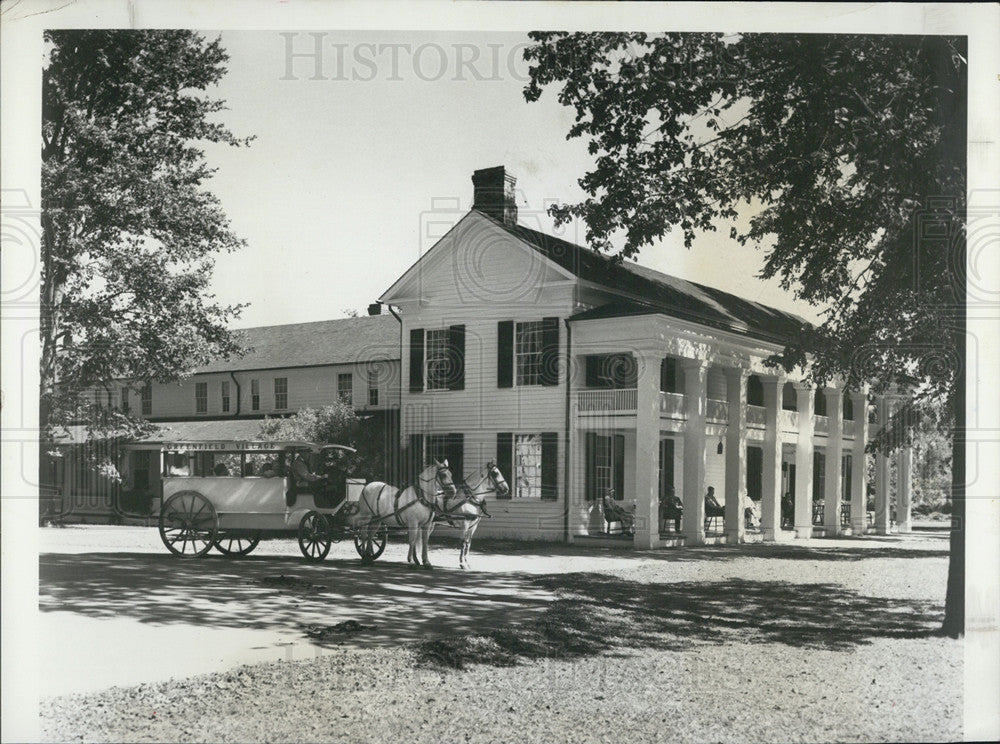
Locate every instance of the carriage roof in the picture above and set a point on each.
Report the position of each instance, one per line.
(219, 445)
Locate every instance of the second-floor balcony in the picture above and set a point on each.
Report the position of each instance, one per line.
(623, 402)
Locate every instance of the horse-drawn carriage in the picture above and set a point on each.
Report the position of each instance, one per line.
(227, 495)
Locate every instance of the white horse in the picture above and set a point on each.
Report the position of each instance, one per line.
(413, 507)
(469, 505)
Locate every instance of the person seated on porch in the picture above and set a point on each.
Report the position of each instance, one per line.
(751, 514)
(615, 513)
(712, 507)
(671, 507)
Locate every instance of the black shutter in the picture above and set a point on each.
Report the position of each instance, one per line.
(416, 360)
(666, 468)
(505, 354)
(505, 459)
(590, 462)
(668, 375)
(593, 367)
(456, 352)
(550, 468)
(414, 459)
(619, 467)
(550, 351)
(455, 451)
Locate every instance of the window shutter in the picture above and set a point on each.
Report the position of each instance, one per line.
(593, 366)
(505, 353)
(668, 375)
(550, 351)
(416, 360)
(456, 348)
(590, 464)
(619, 467)
(550, 467)
(414, 458)
(455, 452)
(505, 457)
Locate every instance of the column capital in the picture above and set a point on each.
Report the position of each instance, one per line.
(776, 378)
(833, 392)
(859, 395)
(741, 373)
(803, 385)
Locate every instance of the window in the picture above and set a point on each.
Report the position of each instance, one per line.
(280, 393)
(611, 371)
(789, 398)
(529, 462)
(819, 404)
(225, 396)
(448, 447)
(528, 353)
(345, 388)
(146, 399)
(437, 359)
(605, 465)
(124, 400)
(373, 387)
(255, 395)
(201, 397)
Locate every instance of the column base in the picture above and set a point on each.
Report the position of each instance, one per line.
(645, 541)
(694, 538)
(803, 533)
(859, 529)
(734, 537)
(770, 534)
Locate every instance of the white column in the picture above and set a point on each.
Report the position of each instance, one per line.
(647, 450)
(859, 465)
(804, 400)
(736, 453)
(903, 480)
(834, 454)
(770, 507)
(882, 476)
(695, 404)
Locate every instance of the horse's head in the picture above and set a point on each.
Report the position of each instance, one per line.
(441, 474)
(497, 479)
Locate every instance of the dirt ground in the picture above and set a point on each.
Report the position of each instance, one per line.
(820, 640)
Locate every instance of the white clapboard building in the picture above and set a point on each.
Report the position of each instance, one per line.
(600, 386)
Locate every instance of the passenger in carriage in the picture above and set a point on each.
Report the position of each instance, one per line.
(268, 471)
(303, 477)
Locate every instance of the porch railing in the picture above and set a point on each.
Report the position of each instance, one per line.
(672, 405)
(717, 410)
(621, 401)
(755, 416)
(821, 424)
(788, 420)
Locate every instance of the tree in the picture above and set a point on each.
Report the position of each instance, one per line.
(334, 424)
(841, 157)
(128, 232)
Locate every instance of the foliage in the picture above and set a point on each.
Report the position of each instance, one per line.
(129, 233)
(840, 147)
(841, 156)
(333, 424)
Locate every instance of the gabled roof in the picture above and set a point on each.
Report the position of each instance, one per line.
(341, 341)
(661, 293)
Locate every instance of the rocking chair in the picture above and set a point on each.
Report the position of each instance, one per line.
(616, 513)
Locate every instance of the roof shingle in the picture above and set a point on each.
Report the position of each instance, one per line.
(340, 341)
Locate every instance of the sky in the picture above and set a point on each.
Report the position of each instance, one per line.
(359, 145)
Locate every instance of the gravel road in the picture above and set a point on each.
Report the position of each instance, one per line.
(814, 642)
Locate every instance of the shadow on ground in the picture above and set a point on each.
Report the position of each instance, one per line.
(457, 618)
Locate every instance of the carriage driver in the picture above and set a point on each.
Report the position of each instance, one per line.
(304, 477)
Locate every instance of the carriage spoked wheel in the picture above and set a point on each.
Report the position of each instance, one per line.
(188, 524)
(314, 536)
(237, 544)
(370, 545)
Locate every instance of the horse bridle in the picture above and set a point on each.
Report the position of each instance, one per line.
(470, 496)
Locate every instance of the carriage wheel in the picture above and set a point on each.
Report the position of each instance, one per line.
(188, 524)
(236, 544)
(371, 546)
(314, 536)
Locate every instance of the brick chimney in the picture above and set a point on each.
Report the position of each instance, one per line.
(493, 194)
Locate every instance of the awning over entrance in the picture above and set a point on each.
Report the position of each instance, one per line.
(170, 431)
